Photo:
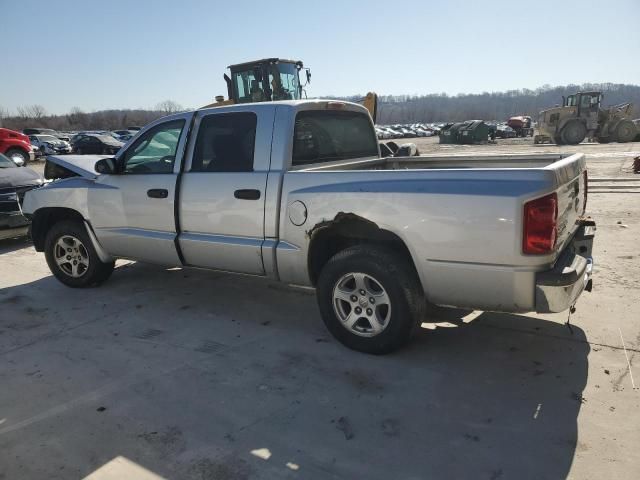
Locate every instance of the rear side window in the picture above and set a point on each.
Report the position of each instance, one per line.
(329, 135)
(225, 143)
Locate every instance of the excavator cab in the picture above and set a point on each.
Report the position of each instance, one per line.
(272, 79)
(266, 80)
(584, 101)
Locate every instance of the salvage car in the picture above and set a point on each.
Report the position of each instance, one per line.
(297, 191)
(50, 145)
(16, 146)
(96, 144)
(14, 183)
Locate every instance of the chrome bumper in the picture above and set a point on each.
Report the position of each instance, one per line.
(559, 288)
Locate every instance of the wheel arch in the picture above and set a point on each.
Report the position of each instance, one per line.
(44, 218)
(17, 147)
(344, 231)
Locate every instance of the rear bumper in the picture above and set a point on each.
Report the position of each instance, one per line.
(559, 288)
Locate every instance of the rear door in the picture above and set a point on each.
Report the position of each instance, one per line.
(133, 213)
(222, 192)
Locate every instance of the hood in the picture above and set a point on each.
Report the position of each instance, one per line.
(19, 176)
(82, 165)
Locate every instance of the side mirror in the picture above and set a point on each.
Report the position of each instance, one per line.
(106, 166)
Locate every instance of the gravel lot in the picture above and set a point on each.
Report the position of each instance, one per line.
(186, 374)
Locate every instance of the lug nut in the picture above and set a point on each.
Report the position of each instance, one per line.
(68, 257)
(358, 310)
(369, 311)
(354, 298)
(372, 300)
(362, 292)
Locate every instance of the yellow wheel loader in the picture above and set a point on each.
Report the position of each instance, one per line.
(581, 116)
(272, 79)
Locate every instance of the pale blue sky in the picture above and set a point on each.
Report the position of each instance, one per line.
(129, 54)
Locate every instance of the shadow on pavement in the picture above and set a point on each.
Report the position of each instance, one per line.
(201, 375)
(13, 244)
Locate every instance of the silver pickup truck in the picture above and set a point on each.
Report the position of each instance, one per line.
(297, 191)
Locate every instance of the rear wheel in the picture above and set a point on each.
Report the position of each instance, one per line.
(573, 133)
(72, 258)
(625, 131)
(370, 299)
(16, 153)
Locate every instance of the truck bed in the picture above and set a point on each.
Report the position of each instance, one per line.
(443, 162)
(461, 215)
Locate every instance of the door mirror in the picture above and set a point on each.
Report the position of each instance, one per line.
(106, 166)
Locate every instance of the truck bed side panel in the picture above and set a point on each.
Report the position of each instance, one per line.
(462, 228)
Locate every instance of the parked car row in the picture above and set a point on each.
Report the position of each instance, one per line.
(385, 132)
(38, 142)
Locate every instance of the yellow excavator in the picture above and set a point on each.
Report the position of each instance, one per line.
(273, 79)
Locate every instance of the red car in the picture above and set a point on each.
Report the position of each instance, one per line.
(16, 146)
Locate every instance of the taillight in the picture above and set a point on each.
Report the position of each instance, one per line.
(540, 225)
(586, 191)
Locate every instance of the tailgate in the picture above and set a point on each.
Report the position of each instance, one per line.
(571, 181)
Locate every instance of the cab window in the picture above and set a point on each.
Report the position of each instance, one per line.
(329, 135)
(225, 143)
(155, 150)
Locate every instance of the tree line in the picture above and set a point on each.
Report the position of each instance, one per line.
(36, 116)
(494, 105)
(437, 107)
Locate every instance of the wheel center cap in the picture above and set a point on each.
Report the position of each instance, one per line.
(363, 302)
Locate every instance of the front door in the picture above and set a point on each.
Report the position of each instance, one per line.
(222, 193)
(132, 211)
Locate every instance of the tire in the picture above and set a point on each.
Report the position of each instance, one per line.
(625, 131)
(78, 151)
(573, 133)
(89, 269)
(386, 276)
(16, 152)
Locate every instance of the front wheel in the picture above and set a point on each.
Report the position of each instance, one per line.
(16, 154)
(573, 133)
(72, 258)
(370, 299)
(625, 131)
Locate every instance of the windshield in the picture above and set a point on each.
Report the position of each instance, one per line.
(108, 139)
(6, 163)
(283, 78)
(251, 85)
(48, 138)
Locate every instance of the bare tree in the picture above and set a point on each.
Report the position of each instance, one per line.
(32, 112)
(169, 106)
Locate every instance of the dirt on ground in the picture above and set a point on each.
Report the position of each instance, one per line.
(187, 374)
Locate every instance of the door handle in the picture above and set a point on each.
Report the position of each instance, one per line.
(247, 194)
(157, 193)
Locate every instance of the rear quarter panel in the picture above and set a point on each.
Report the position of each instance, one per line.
(462, 227)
